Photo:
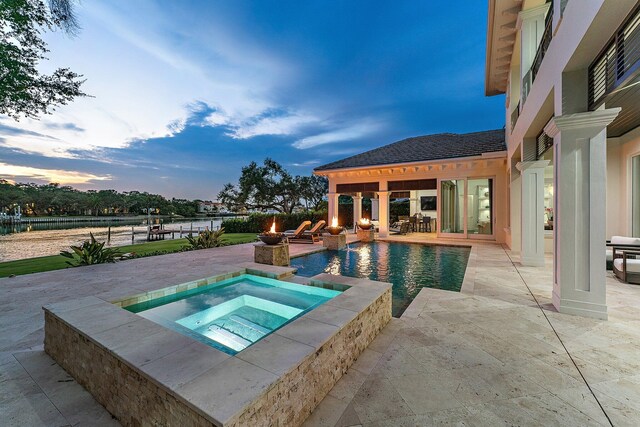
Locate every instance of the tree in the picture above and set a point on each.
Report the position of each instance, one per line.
(24, 90)
(271, 187)
(313, 190)
(267, 187)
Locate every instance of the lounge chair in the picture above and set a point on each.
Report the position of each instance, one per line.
(297, 234)
(626, 268)
(315, 232)
(618, 244)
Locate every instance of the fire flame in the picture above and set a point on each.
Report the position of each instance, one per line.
(364, 221)
(273, 227)
(334, 222)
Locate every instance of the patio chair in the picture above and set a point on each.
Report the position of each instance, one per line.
(413, 223)
(626, 268)
(315, 232)
(297, 235)
(619, 243)
(426, 221)
(401, 227)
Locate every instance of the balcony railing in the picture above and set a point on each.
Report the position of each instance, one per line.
(545, 41)
(514, 116)
(544, 44)
(543, 143)
(618, 62)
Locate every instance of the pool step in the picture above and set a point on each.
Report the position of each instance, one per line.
(226, 337)
(249, 324)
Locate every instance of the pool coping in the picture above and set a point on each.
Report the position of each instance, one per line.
(162, 356)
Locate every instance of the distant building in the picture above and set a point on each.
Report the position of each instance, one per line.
(211, 207)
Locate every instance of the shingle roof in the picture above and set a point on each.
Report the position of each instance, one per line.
(426, 148)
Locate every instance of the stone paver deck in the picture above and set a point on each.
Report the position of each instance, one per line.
(495, 354)
(498, 355)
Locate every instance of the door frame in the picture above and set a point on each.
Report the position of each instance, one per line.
(465, 234)
(491, 236)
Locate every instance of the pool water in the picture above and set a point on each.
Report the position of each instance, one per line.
(233, 314)
(409, 267)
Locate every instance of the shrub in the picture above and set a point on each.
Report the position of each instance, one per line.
(91, 252)
(259, 222)
(207, 239)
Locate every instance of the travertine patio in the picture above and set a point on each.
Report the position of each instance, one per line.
(495, 354)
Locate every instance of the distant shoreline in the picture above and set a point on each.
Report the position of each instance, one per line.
(113, 218)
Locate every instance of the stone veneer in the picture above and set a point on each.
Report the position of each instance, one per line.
(146, 374)
(272, 254)
(334, 242)
(366, 235)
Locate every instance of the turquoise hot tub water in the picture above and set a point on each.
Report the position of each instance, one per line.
(408, 267)
(233, 314)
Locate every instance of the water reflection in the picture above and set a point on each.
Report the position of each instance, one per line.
(409, 267)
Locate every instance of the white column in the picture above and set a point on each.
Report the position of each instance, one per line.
(383, 197)
(516, 209)
(580, 170)
(357, 210)
(413, 202)
(332, 208)
(375, 207)
(532, 220)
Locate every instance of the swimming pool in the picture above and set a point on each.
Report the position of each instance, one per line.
(233, 314)
(408, 267)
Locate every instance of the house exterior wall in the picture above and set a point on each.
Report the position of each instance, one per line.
(592, 173)
(579, 33)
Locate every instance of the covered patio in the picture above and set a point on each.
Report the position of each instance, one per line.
(458, 181)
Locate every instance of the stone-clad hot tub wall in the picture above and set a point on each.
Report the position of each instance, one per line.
(120, 381)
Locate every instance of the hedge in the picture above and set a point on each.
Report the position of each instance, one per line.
(259, 222)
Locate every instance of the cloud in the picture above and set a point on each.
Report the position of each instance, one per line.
(8, 131)
(308, 163)
(271, 122)
(350, 133)
(64, 126)
(21, 173)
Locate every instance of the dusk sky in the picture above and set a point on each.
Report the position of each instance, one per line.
(186, 93)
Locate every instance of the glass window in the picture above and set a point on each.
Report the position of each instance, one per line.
(635, 196)
(480, 203)
(452, 206)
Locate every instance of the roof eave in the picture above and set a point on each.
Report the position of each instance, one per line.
(483, 156)
(488, 91)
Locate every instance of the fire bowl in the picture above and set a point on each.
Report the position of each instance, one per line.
(365, 226)
(334, 231)
(271, 239)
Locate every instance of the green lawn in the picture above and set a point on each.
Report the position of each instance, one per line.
(57, 262)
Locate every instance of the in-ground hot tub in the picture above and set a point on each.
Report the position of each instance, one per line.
(298, 341)
(235, 313)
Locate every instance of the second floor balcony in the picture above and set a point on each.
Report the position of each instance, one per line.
(541, 51)
(614, 76)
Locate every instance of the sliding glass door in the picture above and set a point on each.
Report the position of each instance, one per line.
(466, 208)
(480, 207)
(452, 207)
